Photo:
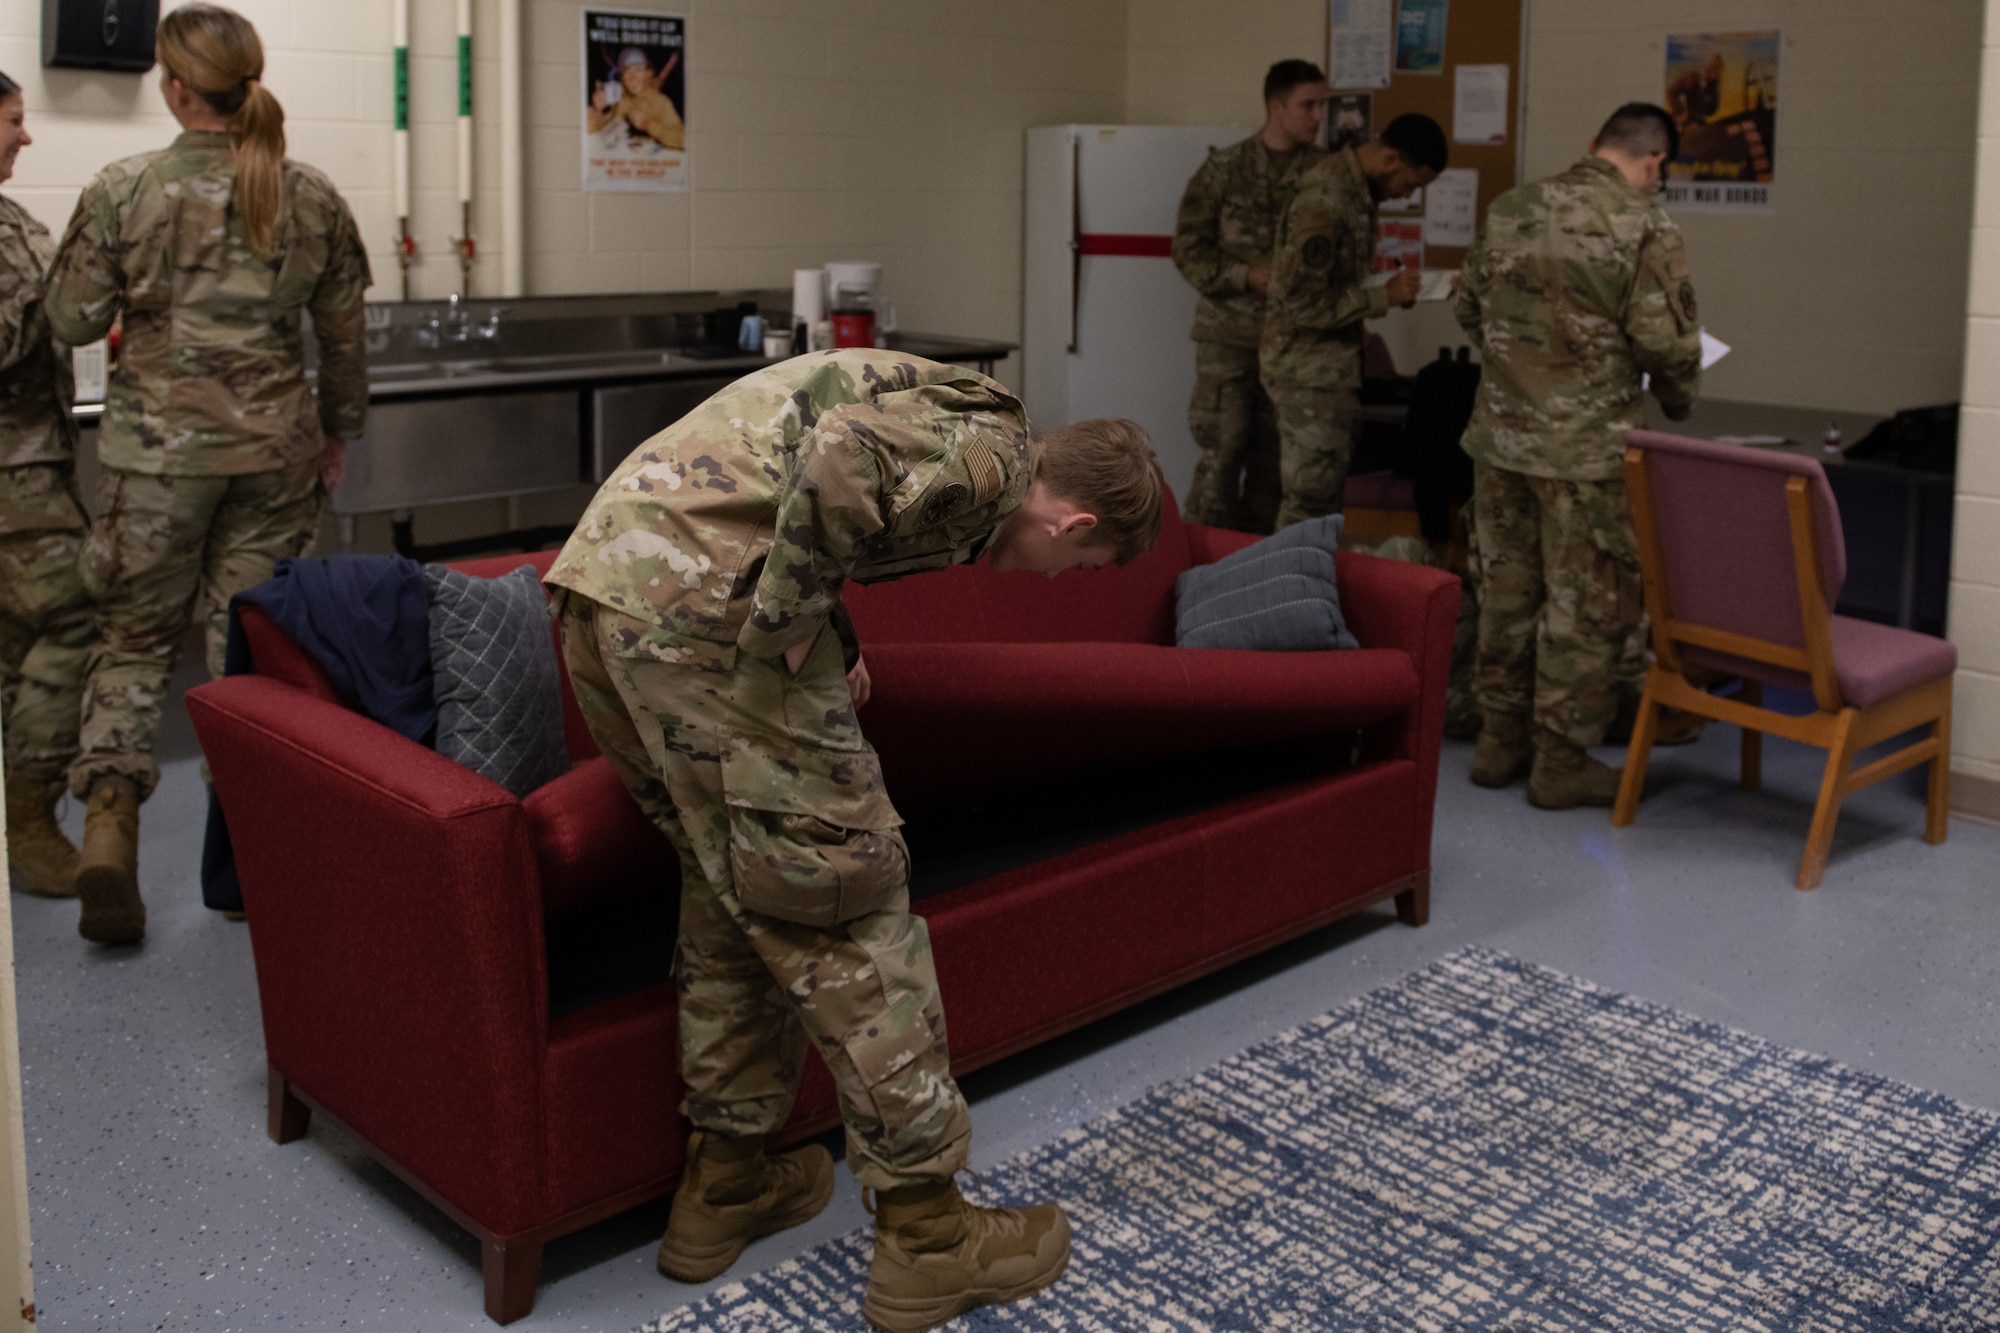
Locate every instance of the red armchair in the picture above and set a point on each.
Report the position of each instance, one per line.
(420, 934)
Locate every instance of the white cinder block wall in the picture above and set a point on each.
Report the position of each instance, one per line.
(1975, 586)
(818, 130)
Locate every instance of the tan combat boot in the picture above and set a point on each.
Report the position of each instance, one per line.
(1504, 752)
(38, 854)
(731, 1194)
(1565, 776)
(107, 875)
(937, 1256)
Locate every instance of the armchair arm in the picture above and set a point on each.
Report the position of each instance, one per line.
(1393, 604)
(398, 937)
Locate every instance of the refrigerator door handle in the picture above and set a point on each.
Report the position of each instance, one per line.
(1075, 234)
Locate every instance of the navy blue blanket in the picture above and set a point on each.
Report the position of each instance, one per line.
(366, 620)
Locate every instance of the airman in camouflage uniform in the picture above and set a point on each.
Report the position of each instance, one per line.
(1310, 352)
(1223, 242)
(699, 601)
(1576, 287)
(46, 623)
(213, 436)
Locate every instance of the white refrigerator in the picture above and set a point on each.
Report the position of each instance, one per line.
(1105, 332)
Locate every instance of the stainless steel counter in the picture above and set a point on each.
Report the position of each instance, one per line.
(497, 399)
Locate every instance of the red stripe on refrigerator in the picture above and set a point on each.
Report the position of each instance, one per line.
(1106, 243)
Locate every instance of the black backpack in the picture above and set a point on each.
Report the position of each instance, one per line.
(1441, 400)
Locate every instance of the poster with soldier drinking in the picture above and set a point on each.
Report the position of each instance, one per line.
(1722, 88)
(634, 101)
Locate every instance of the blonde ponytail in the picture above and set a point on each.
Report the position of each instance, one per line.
(215, 53)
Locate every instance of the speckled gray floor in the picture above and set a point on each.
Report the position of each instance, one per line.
(158, 1202)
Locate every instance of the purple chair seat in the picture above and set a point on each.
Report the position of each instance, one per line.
(1380, 490)
(1871, 662)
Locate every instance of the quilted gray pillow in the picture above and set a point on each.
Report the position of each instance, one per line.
(1279, 595)
(499, 692)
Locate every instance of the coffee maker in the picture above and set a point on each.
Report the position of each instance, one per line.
(850, 298)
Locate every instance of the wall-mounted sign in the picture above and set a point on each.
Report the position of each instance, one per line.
(1722, 88)
(634, 100)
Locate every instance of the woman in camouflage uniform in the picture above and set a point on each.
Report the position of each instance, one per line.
(45, 619)
(216, 448)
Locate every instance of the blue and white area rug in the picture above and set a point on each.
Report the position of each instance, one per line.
(1489, 1145)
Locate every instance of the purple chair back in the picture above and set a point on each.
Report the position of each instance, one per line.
(1725, 534)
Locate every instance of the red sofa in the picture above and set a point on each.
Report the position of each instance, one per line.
(475, 985)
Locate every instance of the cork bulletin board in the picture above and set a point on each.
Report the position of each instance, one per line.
(1475, 33)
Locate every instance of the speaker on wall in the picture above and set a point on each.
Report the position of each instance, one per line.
(99, 34)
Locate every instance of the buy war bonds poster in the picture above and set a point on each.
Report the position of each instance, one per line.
(1722, 88)
(634, 100)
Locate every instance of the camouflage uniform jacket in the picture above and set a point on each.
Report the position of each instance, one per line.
(211, 377)
(1576, 285)
(737, 526)
(1326, 251)
(35, 383)
(1228, 223)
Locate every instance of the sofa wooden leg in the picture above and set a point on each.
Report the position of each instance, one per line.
(1413, 905)
(289, 1116)
(512, 1268)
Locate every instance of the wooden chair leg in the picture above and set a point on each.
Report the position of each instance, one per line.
(1413, 905)
(511, 1268)
(1633, 783)
(1832, 784)
(1752, 694)
(289, 1117)
(1937, 813)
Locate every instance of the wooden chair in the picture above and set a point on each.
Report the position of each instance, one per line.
(1743, 556)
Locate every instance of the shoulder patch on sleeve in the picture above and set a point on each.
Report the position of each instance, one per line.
(1317, 252)
(943, 503)
(1685, 298)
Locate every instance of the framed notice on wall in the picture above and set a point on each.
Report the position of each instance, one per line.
(634, 100)
(1722, 88)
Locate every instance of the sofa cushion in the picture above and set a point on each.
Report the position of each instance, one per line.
(1280, 595)
(953, 720)
(499, 693)
(592, 842)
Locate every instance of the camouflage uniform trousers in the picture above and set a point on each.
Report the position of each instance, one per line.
(716, 758)
(1560, 600)
(161, 546)
(47, 623)
(1461, 704)
(1315, 446)
(1234, 425)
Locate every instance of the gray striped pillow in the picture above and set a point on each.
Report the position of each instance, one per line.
(1277, 596)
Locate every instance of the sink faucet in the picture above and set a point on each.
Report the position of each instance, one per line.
(455, 325)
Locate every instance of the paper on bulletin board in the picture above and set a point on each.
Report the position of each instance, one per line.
(1399, 243)
(1479, 104)
(1360, 43)
(1420, 28)
(1349, 120)
(1451, 208)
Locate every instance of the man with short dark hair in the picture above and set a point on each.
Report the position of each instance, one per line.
(1310, 352)
(1576, 288)
(1222, 246)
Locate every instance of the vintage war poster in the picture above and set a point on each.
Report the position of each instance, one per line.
(634, 100)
